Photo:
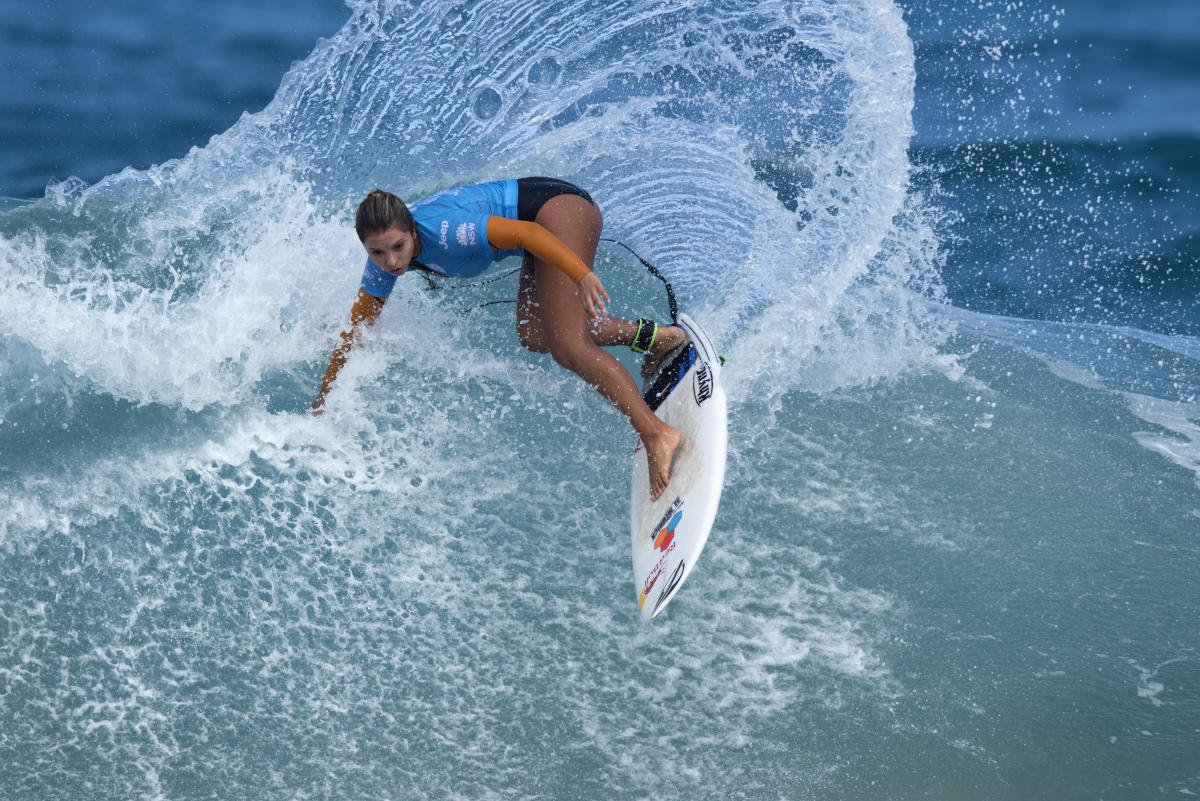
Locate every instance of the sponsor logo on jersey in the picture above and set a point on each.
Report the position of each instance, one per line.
(465, 234)
(442, 240)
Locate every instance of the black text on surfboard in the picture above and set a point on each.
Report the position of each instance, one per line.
(703, 384)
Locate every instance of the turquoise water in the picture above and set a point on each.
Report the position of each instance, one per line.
(950, 252)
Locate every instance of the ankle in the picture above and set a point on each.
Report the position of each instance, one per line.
(645, 335)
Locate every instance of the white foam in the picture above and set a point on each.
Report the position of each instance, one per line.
(1121, 361)
(233, 307)
(1181, 443)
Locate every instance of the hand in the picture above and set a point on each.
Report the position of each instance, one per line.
(592, 294)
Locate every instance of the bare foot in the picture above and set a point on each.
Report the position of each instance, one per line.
(669, 338)
(660, 449)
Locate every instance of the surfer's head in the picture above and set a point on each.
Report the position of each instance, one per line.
(378, 212)
(385, 227)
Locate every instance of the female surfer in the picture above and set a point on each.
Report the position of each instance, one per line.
(560, 301)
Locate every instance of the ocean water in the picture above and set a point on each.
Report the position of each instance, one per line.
(950, 250)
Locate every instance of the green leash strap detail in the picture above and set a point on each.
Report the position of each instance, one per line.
(647, 332)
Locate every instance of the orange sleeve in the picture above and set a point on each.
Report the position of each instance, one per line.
(506, 234)
(365, 311)
(366, 308)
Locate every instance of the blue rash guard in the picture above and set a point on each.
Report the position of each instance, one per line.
(452, 228)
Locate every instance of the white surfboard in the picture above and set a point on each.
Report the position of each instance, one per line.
(670, 533)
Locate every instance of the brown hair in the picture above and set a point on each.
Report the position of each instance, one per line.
(379, 211)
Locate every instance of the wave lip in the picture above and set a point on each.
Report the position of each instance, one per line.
(757, 154)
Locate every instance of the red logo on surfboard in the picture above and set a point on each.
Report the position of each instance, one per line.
(668, 532)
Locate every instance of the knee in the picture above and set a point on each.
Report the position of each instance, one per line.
(570, 352)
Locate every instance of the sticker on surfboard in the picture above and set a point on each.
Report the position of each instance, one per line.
(669, 534)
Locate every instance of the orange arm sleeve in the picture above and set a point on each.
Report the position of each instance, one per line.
(364, 312)
(506, 234)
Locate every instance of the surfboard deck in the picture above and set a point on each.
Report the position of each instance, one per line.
(669, 534)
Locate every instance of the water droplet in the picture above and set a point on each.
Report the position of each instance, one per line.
(544, 72)
(487, 103)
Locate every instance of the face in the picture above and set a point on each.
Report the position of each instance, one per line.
(392, 250)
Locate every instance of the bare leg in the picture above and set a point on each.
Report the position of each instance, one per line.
(551, 318)
(605, 331)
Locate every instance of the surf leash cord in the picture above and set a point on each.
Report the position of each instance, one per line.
(672, 305)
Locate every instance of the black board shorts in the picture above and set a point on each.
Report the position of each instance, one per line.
(532, 194)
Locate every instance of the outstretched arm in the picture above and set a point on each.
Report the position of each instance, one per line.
(506, 234)
(364, 312)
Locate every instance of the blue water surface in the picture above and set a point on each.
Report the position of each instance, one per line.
(94, 86)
